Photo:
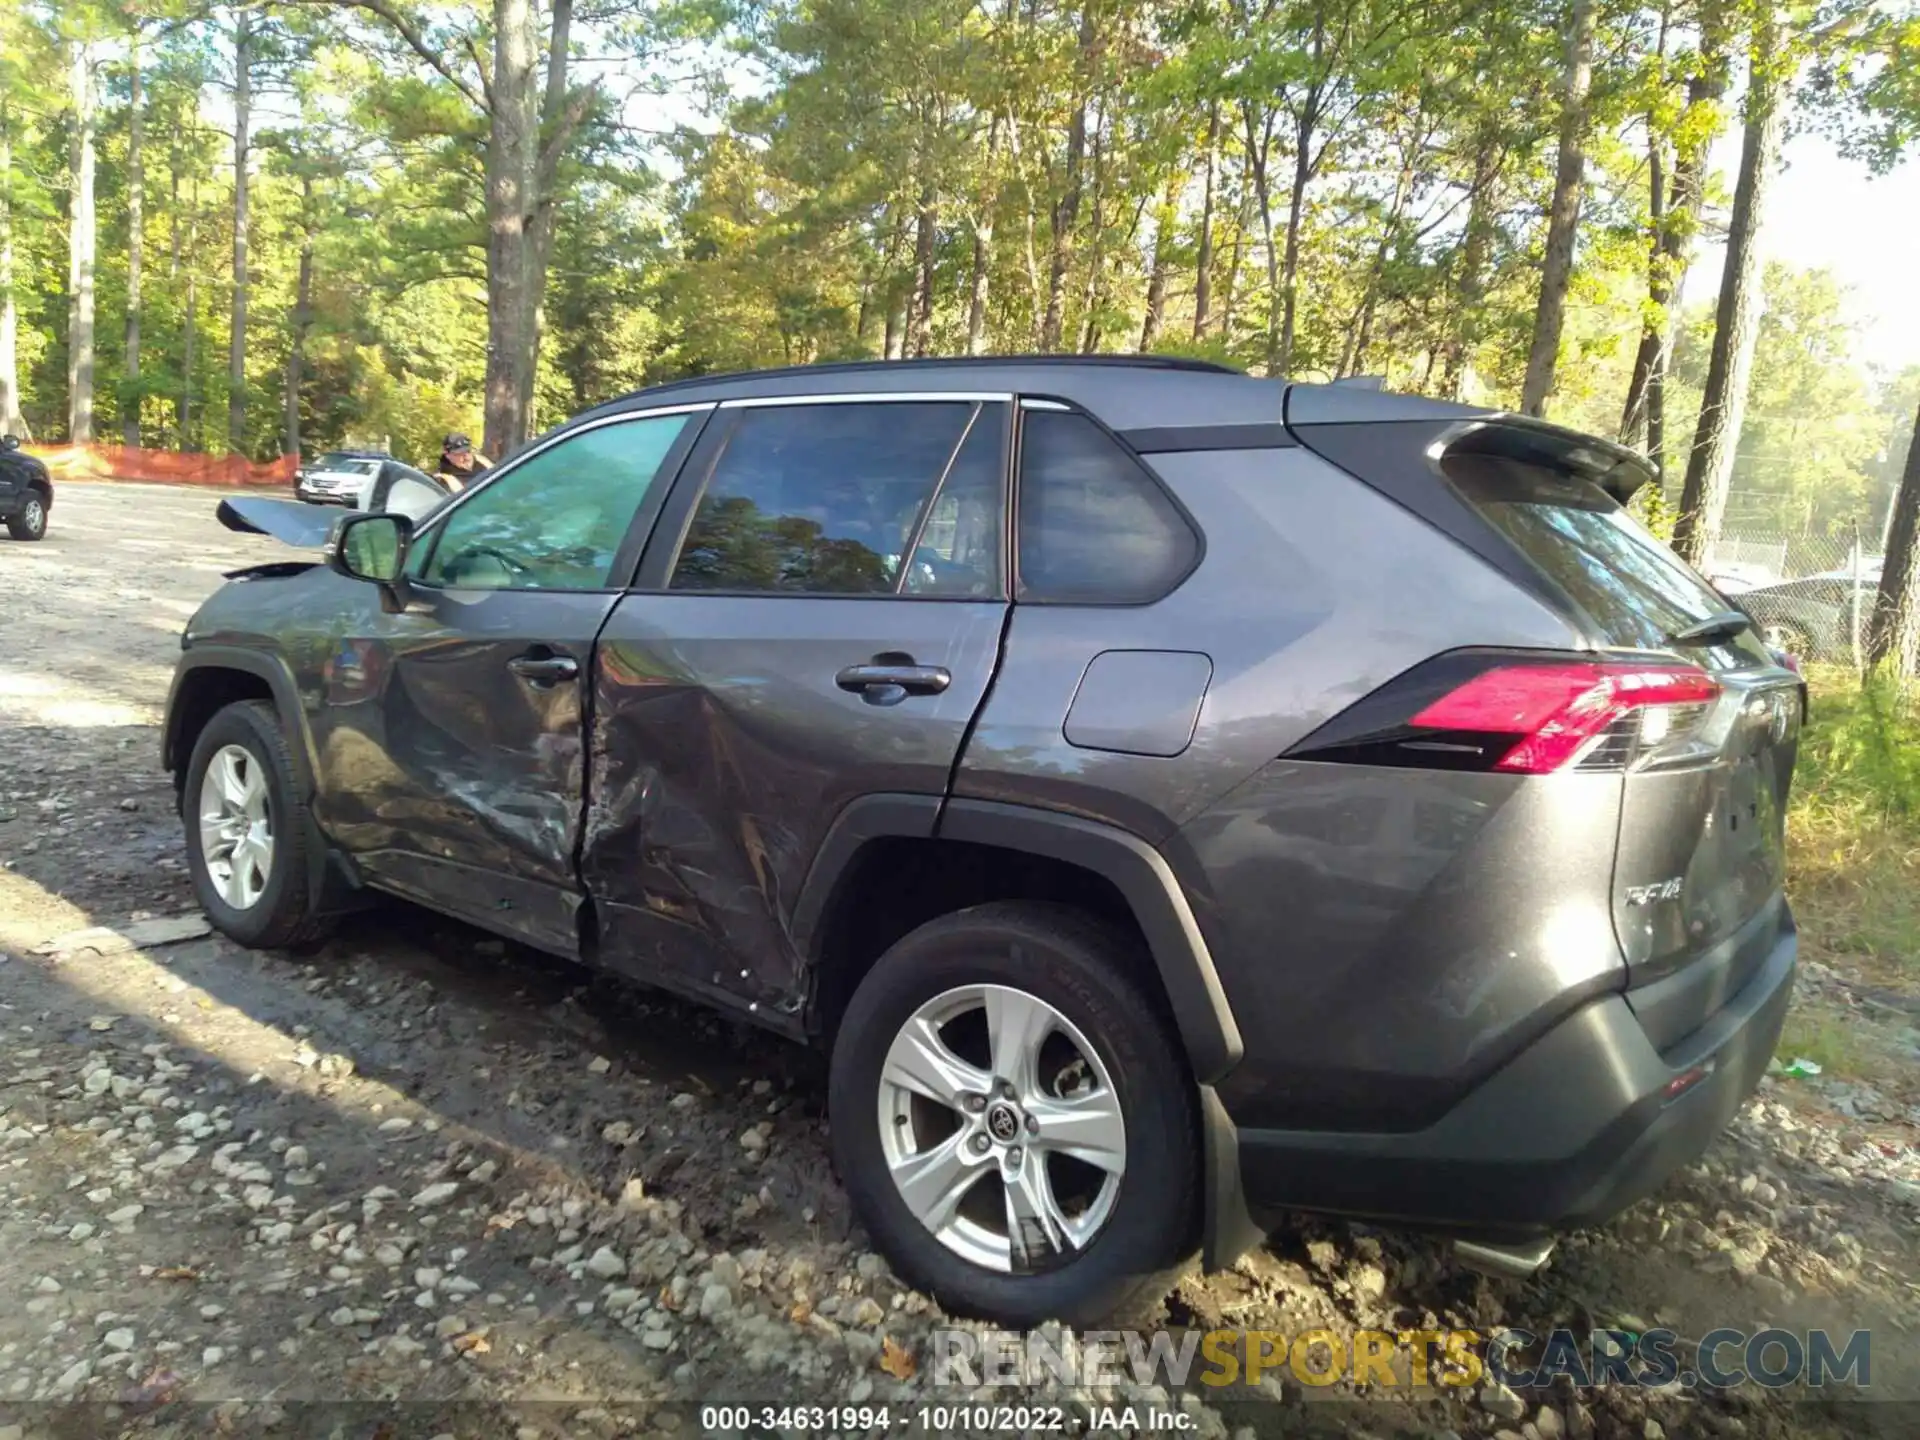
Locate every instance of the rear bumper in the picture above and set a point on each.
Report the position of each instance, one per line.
(1572, 1131)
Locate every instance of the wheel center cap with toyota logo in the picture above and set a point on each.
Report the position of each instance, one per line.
(1002, 1123)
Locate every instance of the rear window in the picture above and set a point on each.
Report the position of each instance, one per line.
(347, 465)
(1634, 590)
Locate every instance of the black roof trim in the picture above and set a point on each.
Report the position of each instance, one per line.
(1171, 439)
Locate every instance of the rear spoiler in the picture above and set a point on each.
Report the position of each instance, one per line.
(1614, 468)
(1361, 402)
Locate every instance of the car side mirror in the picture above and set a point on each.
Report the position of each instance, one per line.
(9, 442)
(373, 547)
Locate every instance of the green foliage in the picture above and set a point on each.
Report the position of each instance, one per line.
(1862, 751)
(1811, 462)
(798, 180)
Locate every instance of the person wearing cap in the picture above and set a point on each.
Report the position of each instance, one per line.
(459, 463)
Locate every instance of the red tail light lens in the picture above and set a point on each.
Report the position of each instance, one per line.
(1507, 710)
(1557, 712)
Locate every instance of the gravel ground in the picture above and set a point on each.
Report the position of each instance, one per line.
(422, 1182)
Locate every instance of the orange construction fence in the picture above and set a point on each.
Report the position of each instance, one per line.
(168, 467)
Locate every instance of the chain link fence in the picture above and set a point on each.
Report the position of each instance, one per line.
(1811, 594)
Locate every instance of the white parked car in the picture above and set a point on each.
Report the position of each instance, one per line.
(338, 477)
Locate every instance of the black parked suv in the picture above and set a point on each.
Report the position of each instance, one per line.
(26, 491)
(1174, 797)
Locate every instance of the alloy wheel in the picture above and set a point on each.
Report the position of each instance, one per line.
(1001, 1128)
(236, 826)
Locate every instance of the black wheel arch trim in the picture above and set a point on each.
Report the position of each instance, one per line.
(871, 817)
(333, 880)
(273, 670)
(1208, 1032)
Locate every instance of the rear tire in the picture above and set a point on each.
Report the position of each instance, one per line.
(1114, 1239)
(31, 522)
(270, 906)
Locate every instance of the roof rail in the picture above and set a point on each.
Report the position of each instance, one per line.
(839, 367)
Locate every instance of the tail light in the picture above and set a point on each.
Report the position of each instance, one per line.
(1480, 711)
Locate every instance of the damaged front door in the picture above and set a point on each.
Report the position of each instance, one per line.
(819, 617)
(451, 740)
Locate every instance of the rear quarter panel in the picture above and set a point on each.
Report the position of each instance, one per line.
(1313, 591)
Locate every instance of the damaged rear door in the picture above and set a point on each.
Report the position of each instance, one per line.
(817, 619)
(451, 740)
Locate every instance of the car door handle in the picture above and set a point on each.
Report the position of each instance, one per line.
(543, 668)
(890, 684)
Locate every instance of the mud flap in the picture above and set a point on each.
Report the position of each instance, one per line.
(1228, 1231)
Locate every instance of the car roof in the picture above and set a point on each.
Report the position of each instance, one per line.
(1131, 392)
(1156, 402)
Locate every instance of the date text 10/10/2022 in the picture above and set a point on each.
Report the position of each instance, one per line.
(939, 1419)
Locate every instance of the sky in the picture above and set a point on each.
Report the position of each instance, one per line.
(1826, 212)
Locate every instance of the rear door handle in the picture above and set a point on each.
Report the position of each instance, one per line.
(541, 668)
(890, 684)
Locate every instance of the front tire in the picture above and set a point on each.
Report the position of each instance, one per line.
(1013, 1121)
(31, 522)
(248, 833)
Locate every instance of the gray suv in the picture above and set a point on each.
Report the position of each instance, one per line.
(1173, 797)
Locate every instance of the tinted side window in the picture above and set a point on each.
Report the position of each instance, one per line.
(1095, 528)
(958, 552)
(556, 520)
(825, 499)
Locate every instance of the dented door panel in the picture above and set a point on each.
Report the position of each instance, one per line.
(451, 777)
(724, 746)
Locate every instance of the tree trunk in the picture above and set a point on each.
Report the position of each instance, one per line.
(302, 318)
(1456, 359)
(1895, 632)
(185, 408)
(920, 315)
(183, 404)
(1309, 120)
(894, 346)
(136, 244)
(894, 338)
(981, 276)
(1259, 143)
(1095, 294)
(1165, 229)
(1230, 289)
(1653, 331)
(1563, 222)
(1723, 403)
(512, 146)
(1640, 381)
(11, 421)
(556, 123)
(1676, 217)
(237, 332)
(1203, 266)
(1066, 211)
(80, 250)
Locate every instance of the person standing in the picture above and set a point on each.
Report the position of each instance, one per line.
(460, 464)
